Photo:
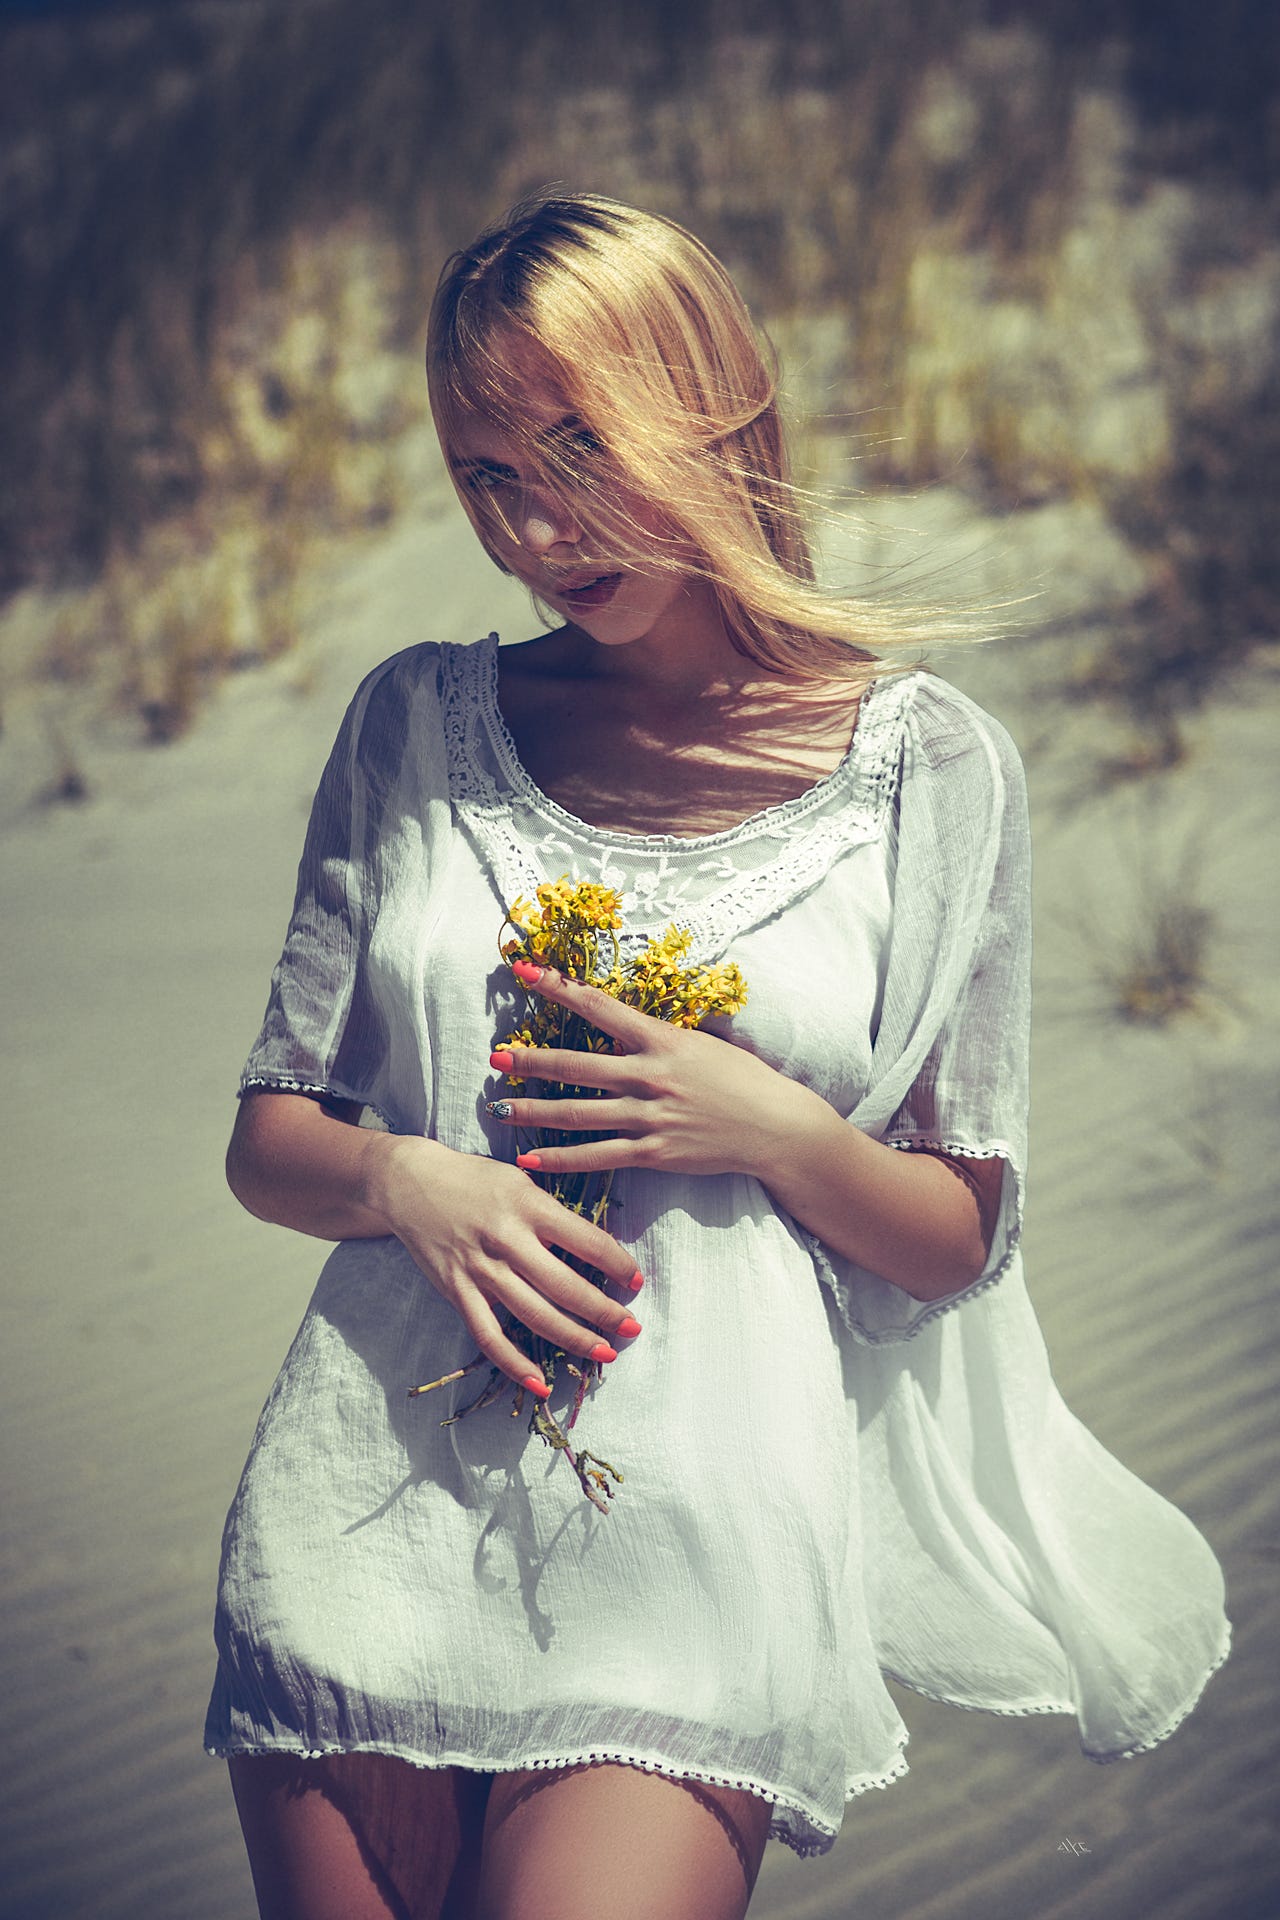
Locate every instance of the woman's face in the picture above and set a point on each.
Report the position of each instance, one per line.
(533, 532)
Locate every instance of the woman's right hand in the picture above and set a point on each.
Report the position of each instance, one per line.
(484, 1234)
(482, 1231)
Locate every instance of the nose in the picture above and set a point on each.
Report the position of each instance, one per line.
(546, 522)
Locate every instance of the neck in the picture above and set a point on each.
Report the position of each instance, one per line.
(688, 653)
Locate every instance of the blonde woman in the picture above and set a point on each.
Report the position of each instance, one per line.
(447, 1685)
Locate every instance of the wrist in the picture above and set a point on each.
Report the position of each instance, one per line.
(790, 1135)
(391, 1173)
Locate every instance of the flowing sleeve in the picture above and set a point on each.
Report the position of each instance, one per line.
(328, 1028)
(950, 1061)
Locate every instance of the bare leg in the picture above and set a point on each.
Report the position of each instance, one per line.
(359, 1836)
(579, 1842)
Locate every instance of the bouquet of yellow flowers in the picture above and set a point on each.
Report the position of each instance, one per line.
(573, 927)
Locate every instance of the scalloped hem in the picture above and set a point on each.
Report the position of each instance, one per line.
(1100, 1756)
(281, 1083)
(807, 1834)
(844, 1294)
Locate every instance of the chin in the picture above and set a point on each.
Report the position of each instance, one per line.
(618, 625)
(618, 632)
(612, 633)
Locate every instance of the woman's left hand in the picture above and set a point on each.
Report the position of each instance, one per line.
(690, 1102)
(673, 1098)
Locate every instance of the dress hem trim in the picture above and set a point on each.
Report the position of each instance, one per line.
(821, 1835)
(898, 1334)
(1100, 1756)
(331, 1089)
(819, 1838)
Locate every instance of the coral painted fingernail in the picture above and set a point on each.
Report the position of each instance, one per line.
(536, 1384)
(627, 1329)
(636, 1282)
(529, 1161)
(602, 1351)
(527, 970)
(502, 1060)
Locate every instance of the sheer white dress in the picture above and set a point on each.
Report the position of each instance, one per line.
(825, 1480)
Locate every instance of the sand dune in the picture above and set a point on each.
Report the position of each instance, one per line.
(146, 1314)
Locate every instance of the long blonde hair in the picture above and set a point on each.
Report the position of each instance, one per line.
(655, 358)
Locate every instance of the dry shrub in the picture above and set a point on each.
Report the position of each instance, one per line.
(68, 785)
(1154, 954)
(1209, 532)
(164, 626)
(1165, 971)
(295, 437)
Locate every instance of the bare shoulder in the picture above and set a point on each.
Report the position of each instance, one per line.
(547, 660)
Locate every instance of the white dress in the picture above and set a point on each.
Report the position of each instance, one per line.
(825, 1480)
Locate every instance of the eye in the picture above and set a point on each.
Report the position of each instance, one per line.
(587, 442)
(574, 447)
(487, 480)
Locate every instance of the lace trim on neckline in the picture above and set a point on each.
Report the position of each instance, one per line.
(715, 885)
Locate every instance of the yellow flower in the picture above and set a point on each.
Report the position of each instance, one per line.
(523, 914)
(555, 897)
(576, 907)
(723, 989)
(521, 1037)
(563, 930)
(669, 948)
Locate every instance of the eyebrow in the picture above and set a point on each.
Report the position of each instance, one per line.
(477, 462)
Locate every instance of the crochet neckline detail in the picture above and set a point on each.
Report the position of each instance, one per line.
(858, 771)
(714, 885)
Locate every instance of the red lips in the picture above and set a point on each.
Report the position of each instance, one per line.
(594, 591)
(575, 582)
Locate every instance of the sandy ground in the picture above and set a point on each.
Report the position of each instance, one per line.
(146, 1314)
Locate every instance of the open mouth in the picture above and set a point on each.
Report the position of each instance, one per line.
(589, 593)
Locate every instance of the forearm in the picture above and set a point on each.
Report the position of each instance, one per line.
(296, 1164)
(904, 1216)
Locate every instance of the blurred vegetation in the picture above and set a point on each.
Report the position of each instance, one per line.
(1168, 973)
(1156, 962)
(989, 238)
